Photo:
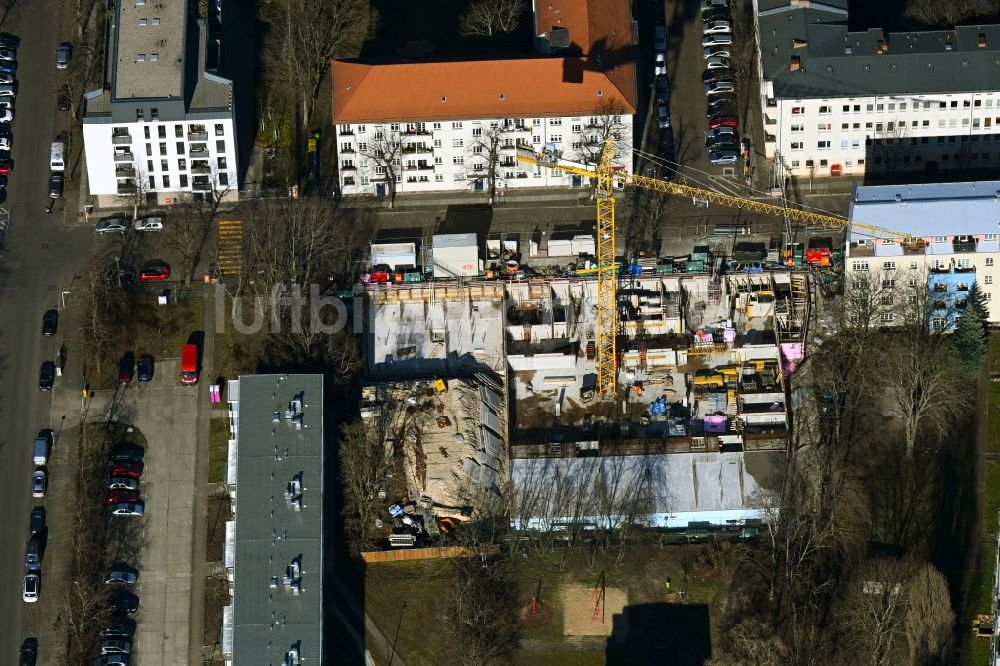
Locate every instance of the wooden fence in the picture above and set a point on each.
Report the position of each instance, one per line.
(379, 556)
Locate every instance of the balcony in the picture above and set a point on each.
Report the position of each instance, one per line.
(124, 157)
(199, 151)
(121, 139)
(347, 149)
(348, 167)
(417, 148)
(197, 136)
(964, 244)
(201, 185)
(124, 172)
(203, 169)
(127, 188)
(413, 131)
(516, 128)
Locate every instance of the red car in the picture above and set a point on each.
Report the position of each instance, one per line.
(133, 469)
(126, 368)
(154, 274)
(6, 167)
(119, 496)
(723, 121)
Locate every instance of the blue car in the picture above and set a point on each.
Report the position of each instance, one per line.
(8, 66)
(145, 369)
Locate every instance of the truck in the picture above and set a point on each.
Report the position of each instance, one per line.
(189, 364)
(41, 451)
(56, 161)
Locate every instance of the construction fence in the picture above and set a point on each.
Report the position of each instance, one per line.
(379, 556)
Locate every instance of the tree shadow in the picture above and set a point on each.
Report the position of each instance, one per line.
(660, 633)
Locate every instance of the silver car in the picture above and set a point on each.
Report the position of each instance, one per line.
(32, 587)
(39, 482)
(723, 156)
(719, 87)
(116, 646)
(112, 225)
(723, 39)
(716, 28)
(62, 55)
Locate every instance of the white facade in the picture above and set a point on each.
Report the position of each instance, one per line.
(447, 155)
(165, 158)
(847, 135)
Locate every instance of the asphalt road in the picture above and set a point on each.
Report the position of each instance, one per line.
(39, 258)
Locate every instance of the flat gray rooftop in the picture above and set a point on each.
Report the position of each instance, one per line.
(149, 48)
(269, 615)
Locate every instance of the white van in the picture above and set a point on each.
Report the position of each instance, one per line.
(56, 162)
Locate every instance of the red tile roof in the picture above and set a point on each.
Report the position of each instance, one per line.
(599, 30)
(528, 87)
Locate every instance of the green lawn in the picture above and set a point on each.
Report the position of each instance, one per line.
(420, 585)
(562, 659)
(218, 449)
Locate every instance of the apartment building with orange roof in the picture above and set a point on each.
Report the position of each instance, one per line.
(456, 125)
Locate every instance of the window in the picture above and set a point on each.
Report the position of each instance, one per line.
(987, 279)
(925, 123)
(438, 161)
(220, 146)
(362, 146)
(456, 125)
(477, 131)
(152, 183)
(869, 107)
(163, 148)
(149, 166)
(224, 179)
(954, 104)
(796, 145)
(457, 143)
(823, 145)
(182, 165)
(393, 127)
(913, 282)
(149, 150)
(164, 165)
(362, 129)
(436, 126)
(989, 236)
(184, 180)
(166, 180)
(845, 126)
(145, 131)
(556, 138)
(161, 132)
(220, 130)
(880, 107)
(458, 159)
(889, 265)
(223, 166)
(798, 110)
(845, 108)
(887, 317)
(577, 128)
(857, 108)
(902, 106)
(860, 265)
(798, 128)
(555, 121)
(439, 178)
(477, 149)
(843, 143)
(437, 143)
(913, 265)
(824, 109)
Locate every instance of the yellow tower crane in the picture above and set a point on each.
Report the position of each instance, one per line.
(608, 179)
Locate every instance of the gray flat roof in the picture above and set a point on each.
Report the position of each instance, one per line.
(149, 48)
(933, 209)
(836, 63)
(270, 532)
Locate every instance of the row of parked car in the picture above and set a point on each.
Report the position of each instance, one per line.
(721, 139)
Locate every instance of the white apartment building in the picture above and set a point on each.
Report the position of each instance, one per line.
(845, 103)
(163, 127)
(442, 113)
(956, 227)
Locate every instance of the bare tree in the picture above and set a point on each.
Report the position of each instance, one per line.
(873, 611)
(921, 386)
(383, 151)
(485, 157)
(186, 233)
(485, 18)
(938, 14)
(306, 36)
(929, 616)
(604, 123)
(365, 467)
(103, 305)
(892, 148)
(754, 643)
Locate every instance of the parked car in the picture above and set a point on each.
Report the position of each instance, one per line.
(50, 322)
(721, 105)
(121, 601)
(660, 38)
(723, 157)
(660, 64)
(122, 628)
(39, 482)
(149, 224)
(112, 225)
(717, 51)
(112, 660)
(662, 116)
(710, 4)
(116, 646)
(122, 497)
(123, 483)
(55, 185)
(121, 574)
(9, 66)
(47, 375)
(716, 28)
(62, 99)
(9, 41)
(715, 14)
(132, 469)
(719, 87)
(156, 273)
(122, 274)
(127, 452)
(8, 54)
(717, 74)
(126, 368)
(144, 369)
(28, 653)
(31, 588)
(135, 509)
(717, 134)
(723, 121)
(37, 520)
(662, 89)
(63, 53)
(722, 147)
(717, 39)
